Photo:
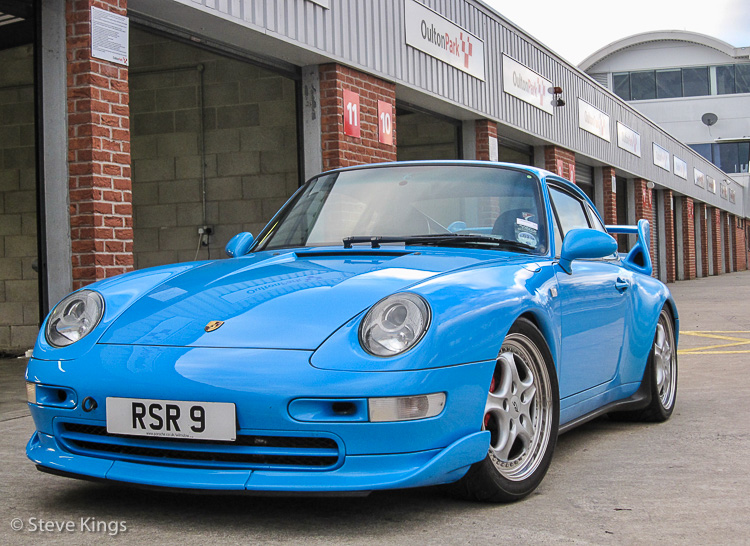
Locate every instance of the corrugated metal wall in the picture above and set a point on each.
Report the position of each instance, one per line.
(370, 35)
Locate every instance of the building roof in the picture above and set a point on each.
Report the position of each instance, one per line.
(664, 35)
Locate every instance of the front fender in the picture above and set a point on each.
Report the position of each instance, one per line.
(472, 311)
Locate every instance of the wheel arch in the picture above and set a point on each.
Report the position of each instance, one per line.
(544, 324)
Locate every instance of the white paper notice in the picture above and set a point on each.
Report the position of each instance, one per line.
(109, 36)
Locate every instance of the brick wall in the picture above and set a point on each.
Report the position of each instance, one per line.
(98, 152)
(19, 308)
(560, 161)
(740, 248)
(688, 238)
(702, 210)
(610, 196)
(714, 216)
(728, 241)
(485, 129)
(644, 208)
(340, 150)
(669, 235)
(250, 137)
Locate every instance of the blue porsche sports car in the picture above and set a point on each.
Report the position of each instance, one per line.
(394, 325)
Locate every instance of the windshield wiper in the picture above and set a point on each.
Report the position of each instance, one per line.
(437, 239)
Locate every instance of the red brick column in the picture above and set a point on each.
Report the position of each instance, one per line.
(485, 129)
(670, 236)
(728, 241)
(688, 239)
(740, 248)
(560, 161)
(340, 150)
(610, 197)
(705, 219)
(644, 208)
(101, 214)
(714, 216)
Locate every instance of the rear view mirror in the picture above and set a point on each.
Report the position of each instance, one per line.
(585, 243)
(239, 244)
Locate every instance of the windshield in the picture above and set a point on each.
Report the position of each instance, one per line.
(446, 204)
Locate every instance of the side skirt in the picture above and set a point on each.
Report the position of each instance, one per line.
(639, 400)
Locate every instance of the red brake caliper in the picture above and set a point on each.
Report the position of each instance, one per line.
(487, 415)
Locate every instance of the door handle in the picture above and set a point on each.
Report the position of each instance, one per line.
(621, 285)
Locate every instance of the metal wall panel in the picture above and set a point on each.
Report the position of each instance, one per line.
(370, 35)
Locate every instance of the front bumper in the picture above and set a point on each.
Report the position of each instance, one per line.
(358, 455)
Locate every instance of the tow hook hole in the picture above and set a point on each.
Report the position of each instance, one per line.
(343, 408)
(62, 396)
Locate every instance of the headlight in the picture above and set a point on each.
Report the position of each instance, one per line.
(394, 324)
(74, 317)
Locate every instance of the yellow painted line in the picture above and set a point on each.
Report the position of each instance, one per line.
(688, 352)
(709, 347)
(716, 334)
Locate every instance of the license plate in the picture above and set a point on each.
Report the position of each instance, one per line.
(171, 419)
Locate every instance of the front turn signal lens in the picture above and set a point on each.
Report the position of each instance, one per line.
(405, 408)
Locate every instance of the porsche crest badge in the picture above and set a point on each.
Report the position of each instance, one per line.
(213, 325)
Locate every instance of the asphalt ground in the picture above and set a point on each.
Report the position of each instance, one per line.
(684, 481)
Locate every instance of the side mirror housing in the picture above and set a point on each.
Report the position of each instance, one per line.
(239, 244)
(585, 243)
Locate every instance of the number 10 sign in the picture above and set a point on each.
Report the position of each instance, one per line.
(385, 122)
(351, 113)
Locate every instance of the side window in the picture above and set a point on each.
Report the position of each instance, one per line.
(570, 215)
(595, 222)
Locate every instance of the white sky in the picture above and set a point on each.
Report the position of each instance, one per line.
(576, 28)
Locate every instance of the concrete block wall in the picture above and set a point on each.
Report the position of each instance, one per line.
(19, 307)
(250, 132)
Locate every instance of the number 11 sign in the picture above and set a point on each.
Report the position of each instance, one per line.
(351, 113)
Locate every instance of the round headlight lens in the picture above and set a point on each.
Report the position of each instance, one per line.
(394, 324)
(74, 317)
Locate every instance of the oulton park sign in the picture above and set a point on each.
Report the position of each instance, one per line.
(430, 32)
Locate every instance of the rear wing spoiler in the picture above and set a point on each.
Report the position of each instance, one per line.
(639, 257)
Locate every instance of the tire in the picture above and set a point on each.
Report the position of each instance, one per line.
(522, 413)
(661, 374)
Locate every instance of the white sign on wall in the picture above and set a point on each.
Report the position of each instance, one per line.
(710, 184)
(525, 84)
(593, 120)
(430, 32)
(109, 36)
(680, 168)
(628, 140)
(493, 149)
(661, 157)
(699, 177)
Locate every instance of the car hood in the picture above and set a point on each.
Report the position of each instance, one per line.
(283, 301)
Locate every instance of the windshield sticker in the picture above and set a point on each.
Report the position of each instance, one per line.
(526, 238)
(527, 223)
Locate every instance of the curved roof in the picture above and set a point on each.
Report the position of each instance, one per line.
(663, 35)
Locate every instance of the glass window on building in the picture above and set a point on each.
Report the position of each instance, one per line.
(695, 82)
(703, 149)
(668, 84)
(643, 85)
(725, 80)
(742, 78)
(621, 83)
(730, 157)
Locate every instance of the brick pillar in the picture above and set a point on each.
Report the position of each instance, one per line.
(340, 150)
(728, 241)
(688, 238)
(705, 220)
(669, 235)
(101, 214)
(715, 219)
(560, 161)
(644, 208)
(740, 248)
(485, 130)
(610, 196)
